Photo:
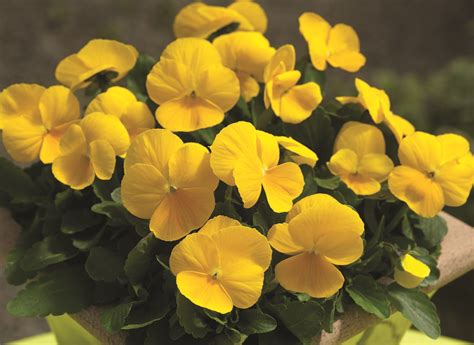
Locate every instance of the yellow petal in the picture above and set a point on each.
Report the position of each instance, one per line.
(188, 114)
(277, 88)
(360, 138)
(309, 273)
(137, 119)
(236, 141)
(23, 139)
(182, 211)
(196, 252)
(348, 60)
(299, 102)
(204, 291)
(283, 60)
(58, 106)
(413, 272)
(421, 151)
(189, 167)
(267, 147)
(73, 72)
(340, 247)
(249, 87)
(315, 31)
(99, 126)
(399, 126)
(343, 45)
(423, 195)
(50, 148)
(302, 154)
(248, 176)
(114, 101)
(102, 156)
(456, 181)
(216, 224)
(376, 166)
(253, 12)
(143, 189)
(361, 184)
(74, 170)
(309, 202)
(73, 142)
(343, 162)
(20, 100)
(374, 100)
(154, 147)
(453, 146)
(283, 184)
(280, 239)
(348, 100)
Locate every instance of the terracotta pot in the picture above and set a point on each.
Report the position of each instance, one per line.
(457, 258)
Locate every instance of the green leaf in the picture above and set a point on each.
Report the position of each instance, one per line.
(104, 265)
(368, 294)
(88, 239)
(230, 336)
(136, 78)
(431, 230)
(103, 188)
(329, 313)
(15, 182)
(191, 317)
(330, 183)
(67, 290)
(114, 211)
(416, 307)
(310, 74)
(78, 220)
(153, 310)
(14, 274)
(116, 195)
(254, 321)
(51, 250)
(113, 319)
(139, 259)
(303, 319)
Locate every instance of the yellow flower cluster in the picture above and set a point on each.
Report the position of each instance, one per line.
(221, 56)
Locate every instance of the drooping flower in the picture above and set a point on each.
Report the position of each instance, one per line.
(200, 20)
(432, 172)
(122, 103)
(89, 150)
(99, 58)
(359, 158)
(191, 85)
(222, 265)
(34, 119)
(292, 103)
(411, 272)
(377, 103)
(338, 45)
(247, 158)
(319, 234)
(169, 182)
(247, 54)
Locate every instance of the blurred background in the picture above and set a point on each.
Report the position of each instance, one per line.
(420, 51)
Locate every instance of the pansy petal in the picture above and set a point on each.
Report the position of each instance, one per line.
(73, 142)
(50, 148)
(360, 138)
(361, 184)
(182, 211)
(283, 184)
(421, 151)
(315, 31)
(309, 202)
(114, 101)
(99, 126)
(20, 100)
(399, 126)
(309, 273)
(249, 87)
(283, 60)
(137, 119)
(280, 239)
(340, 247)
(23, 139)
(422, 194)
(376, 166)
(300, 153)
(248, 176)
(216, 224)
(204, 291)
(348, 100)
(58, 106)
(343, 162)
(372, 98)
(343, 38)
(453, 146)
(253, 12)
(73, 72)
(102, 156)
(412, 273)
(74, 170)
(143, 189)
(268, 150)
(456, 181)
(299, 102)
(350, 61)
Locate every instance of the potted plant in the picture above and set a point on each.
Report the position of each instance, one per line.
(254, 210)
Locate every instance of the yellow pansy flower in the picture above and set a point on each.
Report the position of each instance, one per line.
(359, 158)
(432, 172)
(97, 57)
(34, 119)
(89, 150)
(247, 54)
(298, 152)
(169, 182)
(200, 20)
(337, 45)
(244, 157)
(191, 85)
(122, 103)
(377, 103)
(319, 234)
(412, 272)
(222, 265)
(292, 103)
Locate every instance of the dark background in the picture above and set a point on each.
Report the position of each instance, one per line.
(420, 51)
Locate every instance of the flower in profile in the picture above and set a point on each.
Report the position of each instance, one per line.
(337, 45)
(377, 103)
(359, 158)
(122, 103)
(433, 172)
(106, 60)
(292, 103)
(247, 54)
(34, 119)
(191, 85)
(411, 272)
(222, 265)
(89, 149)
(169, 182)
(247, 158)
(319, 234)
(202, 21)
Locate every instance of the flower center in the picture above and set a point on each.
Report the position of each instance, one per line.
(193, 94)
(431, 174)
(216, 273)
